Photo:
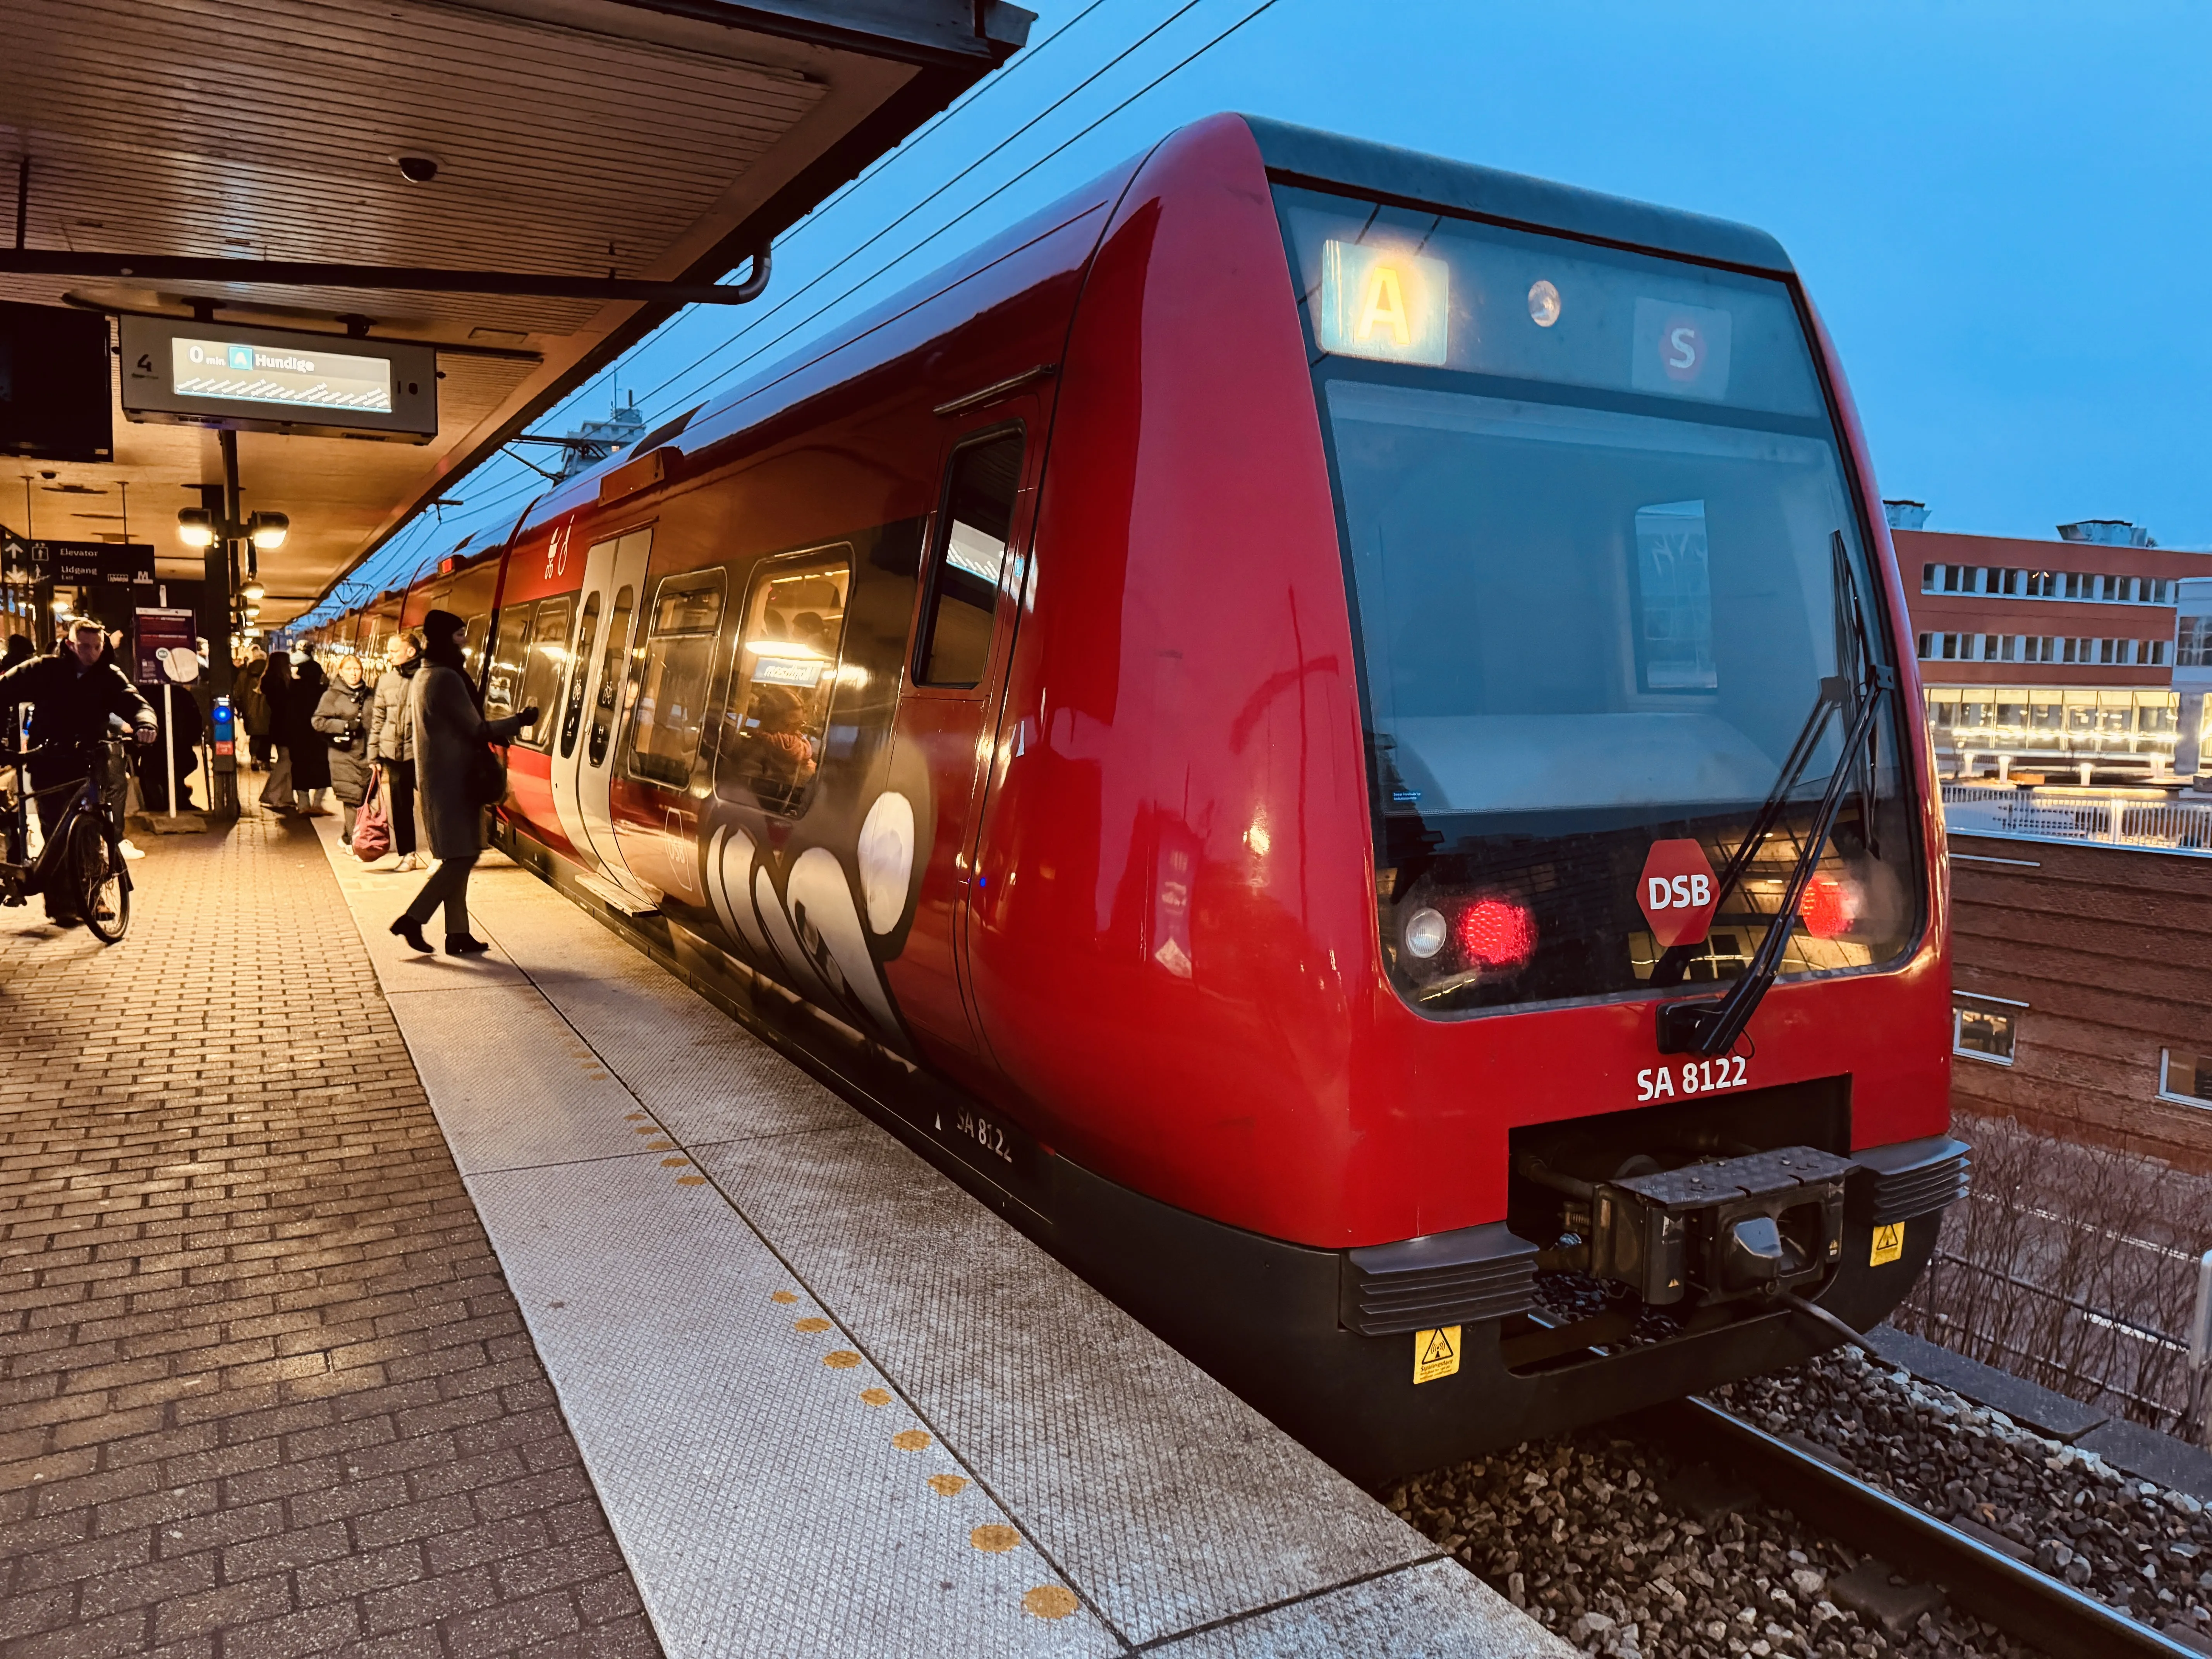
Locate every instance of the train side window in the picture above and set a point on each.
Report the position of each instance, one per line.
(506, 663)
(973, 531)
(606, 708)
(790, 647)
(542, 669)
(679, 663)
(472, 641)
(572, 717)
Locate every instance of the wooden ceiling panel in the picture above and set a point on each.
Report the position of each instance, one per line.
(596, 138)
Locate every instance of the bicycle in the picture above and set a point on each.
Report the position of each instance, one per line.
(83, 855)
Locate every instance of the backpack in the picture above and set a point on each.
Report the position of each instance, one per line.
(372, 824)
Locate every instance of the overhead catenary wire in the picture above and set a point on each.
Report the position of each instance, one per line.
(984, 201)
(501, 497)
(392, 550)
(855, 252)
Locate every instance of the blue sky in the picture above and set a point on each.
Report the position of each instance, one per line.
(2001, 209)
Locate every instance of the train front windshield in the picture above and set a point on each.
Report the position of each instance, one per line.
(1590, 501)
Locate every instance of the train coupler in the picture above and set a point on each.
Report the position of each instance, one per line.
(1708, 1231)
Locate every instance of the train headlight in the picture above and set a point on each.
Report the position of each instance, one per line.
(1543, 304)
(1425, 931)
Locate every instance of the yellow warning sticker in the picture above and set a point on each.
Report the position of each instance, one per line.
(1436, 1353)
(1888, 1244)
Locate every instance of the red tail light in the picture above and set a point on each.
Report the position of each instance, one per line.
(1497, 933)
(1827, 908)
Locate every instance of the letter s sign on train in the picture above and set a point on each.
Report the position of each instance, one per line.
(1677, 892)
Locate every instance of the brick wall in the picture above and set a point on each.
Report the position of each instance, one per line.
(2112, 951)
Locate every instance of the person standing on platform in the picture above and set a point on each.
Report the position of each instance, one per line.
(457, 771)
(392, 744)
(341, 717)
(275, 692)
(310, 755)
(308, 672)
(253, 708)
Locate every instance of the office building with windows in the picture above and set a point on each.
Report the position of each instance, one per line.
(2046, 658)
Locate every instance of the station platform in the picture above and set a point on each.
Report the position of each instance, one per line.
(814, 1398)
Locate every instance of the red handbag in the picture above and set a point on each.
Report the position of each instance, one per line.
(372, 824)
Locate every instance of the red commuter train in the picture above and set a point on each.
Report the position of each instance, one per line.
(1330, 730)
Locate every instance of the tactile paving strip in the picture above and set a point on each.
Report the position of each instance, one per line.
(511, 1083)
(765, 1506)
(1145, 1477)
(1127, 1496)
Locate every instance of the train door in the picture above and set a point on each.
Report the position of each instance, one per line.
(578, 696)
(948, 708)
(656, 808)
(591, 716)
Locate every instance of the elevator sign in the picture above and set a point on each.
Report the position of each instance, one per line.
(1677, 892)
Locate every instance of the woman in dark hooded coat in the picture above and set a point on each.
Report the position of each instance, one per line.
(341, 717)
(311, 756)
(279, 694)
(451, 739)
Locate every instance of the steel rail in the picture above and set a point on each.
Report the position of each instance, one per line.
(2046, 1613)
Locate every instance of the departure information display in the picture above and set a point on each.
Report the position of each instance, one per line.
(240, 372)
(183, 371)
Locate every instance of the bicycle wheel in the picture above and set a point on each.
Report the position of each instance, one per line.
(104, 881)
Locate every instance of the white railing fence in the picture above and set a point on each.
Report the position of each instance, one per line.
(2110, 820)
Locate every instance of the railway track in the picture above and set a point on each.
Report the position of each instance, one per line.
(1797, 1517)
(2041, 1611)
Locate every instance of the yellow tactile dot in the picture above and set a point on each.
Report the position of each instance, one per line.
(842, 1361)
(995, 1539)
(910, 1440)
(690, 1181)
(646, 1129)
(808, 1327)
(659, 1146)
(786, 1298)
(947, 1486)
(1050, 1601)
(634, 1117)
(675, 1163)
(875, 1396)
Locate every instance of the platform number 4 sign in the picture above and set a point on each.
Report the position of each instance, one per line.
(1436, 1353)
(1888, 1245)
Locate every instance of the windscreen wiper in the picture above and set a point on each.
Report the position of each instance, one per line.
(1710, 1026)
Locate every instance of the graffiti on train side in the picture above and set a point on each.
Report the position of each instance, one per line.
(812, 931)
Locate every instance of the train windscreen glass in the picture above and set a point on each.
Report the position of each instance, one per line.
(1590, 501)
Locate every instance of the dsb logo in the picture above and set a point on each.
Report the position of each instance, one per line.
(1676, 892)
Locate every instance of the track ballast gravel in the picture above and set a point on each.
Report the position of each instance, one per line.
(2123, 1540)
(1584, 1531)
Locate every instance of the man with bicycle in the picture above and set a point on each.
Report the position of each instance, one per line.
(72, 695)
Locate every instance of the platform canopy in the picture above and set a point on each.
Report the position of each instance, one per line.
(608, 143)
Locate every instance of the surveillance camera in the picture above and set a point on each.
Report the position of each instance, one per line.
(418, 170)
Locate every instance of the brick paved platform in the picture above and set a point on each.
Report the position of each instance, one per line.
(264, 1390)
